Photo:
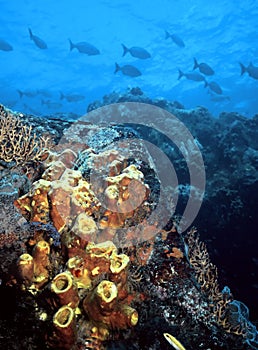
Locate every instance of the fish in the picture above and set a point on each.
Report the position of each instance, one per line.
(251, 70)
(27, 93)
(191, 76)
(38, 42)
(214, 87)
(71, 98)
(173, 341)
(204, 68)
(5, 46)
(84, 47)
(177, 40)
(128, 69)
(137, 52)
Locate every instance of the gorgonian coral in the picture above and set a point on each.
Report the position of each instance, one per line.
(17, 142)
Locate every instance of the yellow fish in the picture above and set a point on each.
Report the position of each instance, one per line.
(174, 342)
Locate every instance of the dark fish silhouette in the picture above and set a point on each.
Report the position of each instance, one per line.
(38, 42)
(214, 87)
(27, 93)
(178, 41)
(137, 52)
(84, 47)
(204, 68)
(5, 46)
(191, 76)
(71, 98)
(128, 69)
(251, 70)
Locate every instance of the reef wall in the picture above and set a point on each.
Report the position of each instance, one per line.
(83, 267)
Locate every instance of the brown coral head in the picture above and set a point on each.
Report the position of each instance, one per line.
(118, 263)
(41, 250)
(80, 274)
(65, 290)
(125, 317)
(99, 305)
(26, 268)
(64, 328)
(68, 157)
(106, 292)
(86, 228)
(40, 255)
(101, 250)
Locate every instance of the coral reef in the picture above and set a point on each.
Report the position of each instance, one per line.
(93, 281)
(17, 143)
(227, 220)
(70, 279)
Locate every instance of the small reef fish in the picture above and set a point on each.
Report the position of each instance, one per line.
(71, 98)
(84, 47)
(191, 76)
(204, 68)
(137, 52)
(214, 87)
(177, 40)
(27, 93)
(174, 342)
(128, 69)
(37, 41)
(251, 70)
(5, 46)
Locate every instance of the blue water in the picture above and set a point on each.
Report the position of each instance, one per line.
(219, 33)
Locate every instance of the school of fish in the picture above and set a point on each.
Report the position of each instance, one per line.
(202, 75)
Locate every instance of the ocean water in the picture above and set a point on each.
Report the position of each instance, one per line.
(220, 34)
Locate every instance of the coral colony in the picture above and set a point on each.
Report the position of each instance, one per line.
(64, 256)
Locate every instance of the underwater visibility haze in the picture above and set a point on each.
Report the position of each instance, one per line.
(218, 39)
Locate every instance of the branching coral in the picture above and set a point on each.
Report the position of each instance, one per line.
(17, 142)
(230, 314)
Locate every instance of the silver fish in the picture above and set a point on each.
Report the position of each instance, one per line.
(177, 40)
(37, 41)
(128, 69)
(204, 68)
(251, 70)
(191, 76)
(214, 87)
(71, 98)
(137, 52)
(84, 47)
(5, 46)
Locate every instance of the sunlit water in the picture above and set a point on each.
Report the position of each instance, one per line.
(220, 33)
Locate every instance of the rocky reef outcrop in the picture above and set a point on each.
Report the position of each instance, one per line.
(85, 265)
